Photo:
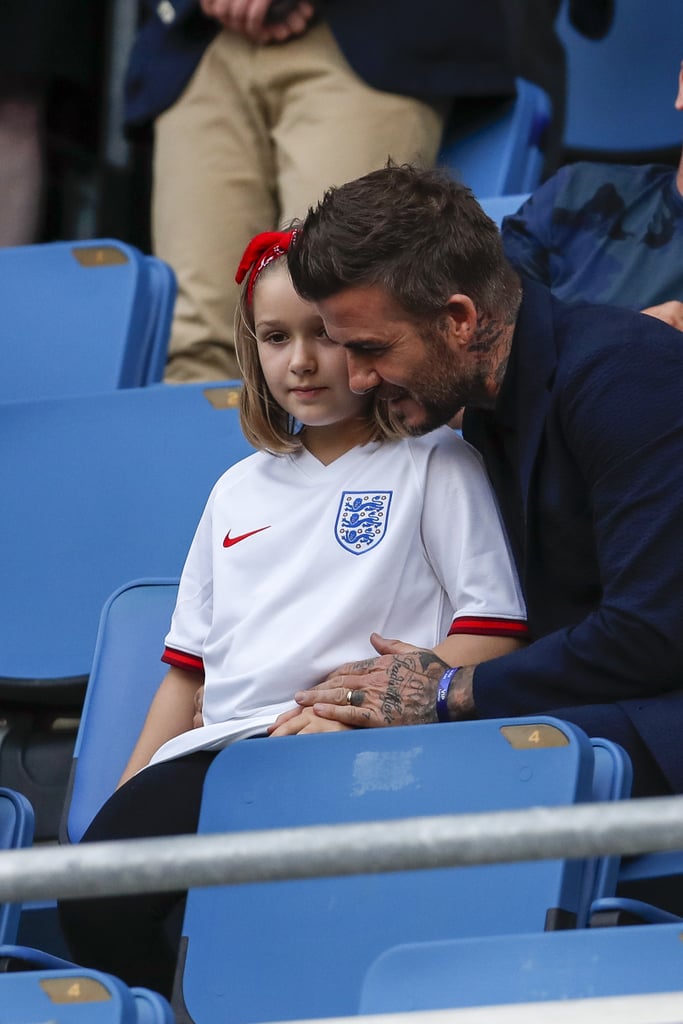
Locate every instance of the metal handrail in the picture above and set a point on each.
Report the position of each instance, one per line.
(181, 862)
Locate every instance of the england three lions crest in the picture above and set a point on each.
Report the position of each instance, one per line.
(362, 519)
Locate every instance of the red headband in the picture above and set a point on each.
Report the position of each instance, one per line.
(261, 251)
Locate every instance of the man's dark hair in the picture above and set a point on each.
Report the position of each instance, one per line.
(417, 233)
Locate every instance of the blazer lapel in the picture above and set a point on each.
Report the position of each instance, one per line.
(536, 355)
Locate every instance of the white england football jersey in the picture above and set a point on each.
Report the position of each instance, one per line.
(294, 564)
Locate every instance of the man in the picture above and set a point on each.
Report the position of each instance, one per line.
(608, 233)
(410, 277)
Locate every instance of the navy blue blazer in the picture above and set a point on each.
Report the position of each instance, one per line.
(598, 521)
(435, 50)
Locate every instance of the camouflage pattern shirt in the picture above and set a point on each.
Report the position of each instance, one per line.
(604, 233)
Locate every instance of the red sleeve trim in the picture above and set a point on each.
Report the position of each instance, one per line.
(516, 628)
(180, 659)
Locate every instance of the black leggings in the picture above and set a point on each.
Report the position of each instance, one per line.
(137, 937)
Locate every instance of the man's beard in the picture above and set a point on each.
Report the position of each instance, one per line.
(440, 388)
(434, 415)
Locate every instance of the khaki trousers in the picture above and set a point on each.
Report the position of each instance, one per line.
(255, 139)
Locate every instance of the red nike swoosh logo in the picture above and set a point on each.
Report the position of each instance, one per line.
(229, 541)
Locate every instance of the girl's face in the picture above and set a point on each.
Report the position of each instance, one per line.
(305, 372)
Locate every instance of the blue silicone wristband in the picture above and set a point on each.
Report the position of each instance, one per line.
(442, 694)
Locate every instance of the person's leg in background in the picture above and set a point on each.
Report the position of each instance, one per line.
(49, 60)
(213, 189)
(330, 127)
(254, 140)
(21, 160)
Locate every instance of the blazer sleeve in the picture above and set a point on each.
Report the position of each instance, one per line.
(619, 416)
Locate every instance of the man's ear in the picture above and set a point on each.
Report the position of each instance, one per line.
(462, 318)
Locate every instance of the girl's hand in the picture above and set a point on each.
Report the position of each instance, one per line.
(303, 720)
(198, 716)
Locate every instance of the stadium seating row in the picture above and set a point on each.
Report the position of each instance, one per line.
(387, 941)
(547, 973)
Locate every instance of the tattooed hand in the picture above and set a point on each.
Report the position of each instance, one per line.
(398, 688)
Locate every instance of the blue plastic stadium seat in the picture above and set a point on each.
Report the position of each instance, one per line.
(500, 150)
(249, 948)
(498, 207)
(16, 832)
(99, 489)
(126, 673)
(78, 996)
(526, 968)
(621, 88)
(81, 317)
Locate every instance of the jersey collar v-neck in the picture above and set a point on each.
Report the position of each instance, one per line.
(313, 468)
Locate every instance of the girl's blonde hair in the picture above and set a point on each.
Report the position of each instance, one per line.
(265, 424)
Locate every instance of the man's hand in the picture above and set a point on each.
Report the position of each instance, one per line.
(398, 688)
(303, 720)
(669, 312)
(248, 18)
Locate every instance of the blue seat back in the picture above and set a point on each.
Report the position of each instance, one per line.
(126, 673)
(525, 968)
(99, 490)
(162, 289)
(612, 780)
(621, 88)
(151, 1008)
(500, 151)
(498, 207)
(82, 317)
(78, 996)
(253, 952)
(16, 832)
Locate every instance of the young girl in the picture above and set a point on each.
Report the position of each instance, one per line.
(334, 529)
